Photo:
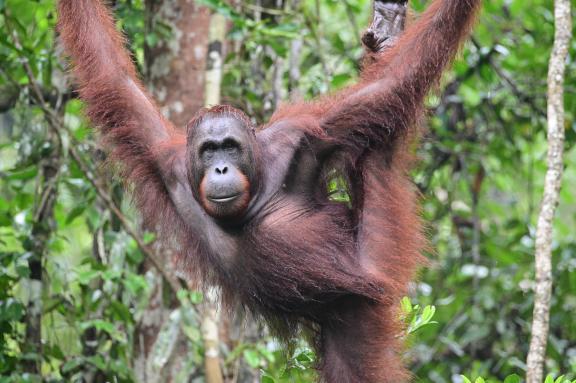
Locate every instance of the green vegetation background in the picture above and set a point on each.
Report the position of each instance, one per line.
(481, 175)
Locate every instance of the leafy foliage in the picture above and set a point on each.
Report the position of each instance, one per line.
(481, 176)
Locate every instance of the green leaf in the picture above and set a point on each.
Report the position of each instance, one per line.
(98, 361)
(513, 379)
(152, 39)
(86, 276)
(428, 313)
(72, 364)
(306, 356)
(406, 305)
(75, 213)
(339, 80)
(134, 283)
(252, 358)
(11, 310)
(5, 219)
(470, 96)
(136, 256)
(23, 175)
(196, 297)
(121, 311)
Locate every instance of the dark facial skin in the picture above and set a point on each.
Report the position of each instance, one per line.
(221, 155)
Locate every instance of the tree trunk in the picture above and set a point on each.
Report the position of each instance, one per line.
(295, 57)
(553, 181)
(175, 66)
(211, 315)
(175, 75)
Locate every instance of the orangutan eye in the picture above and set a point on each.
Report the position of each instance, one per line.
(208, 148)
(230, 145)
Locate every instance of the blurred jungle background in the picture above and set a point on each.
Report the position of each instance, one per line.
(86, 296)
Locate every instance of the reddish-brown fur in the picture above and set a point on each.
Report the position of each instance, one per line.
(302, 261)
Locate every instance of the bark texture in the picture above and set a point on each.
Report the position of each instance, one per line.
(176, 65)
(543, 289)
(175, 75)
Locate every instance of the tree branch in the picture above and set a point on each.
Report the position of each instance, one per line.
(553, 181)
(107, 199)
(58, 126)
